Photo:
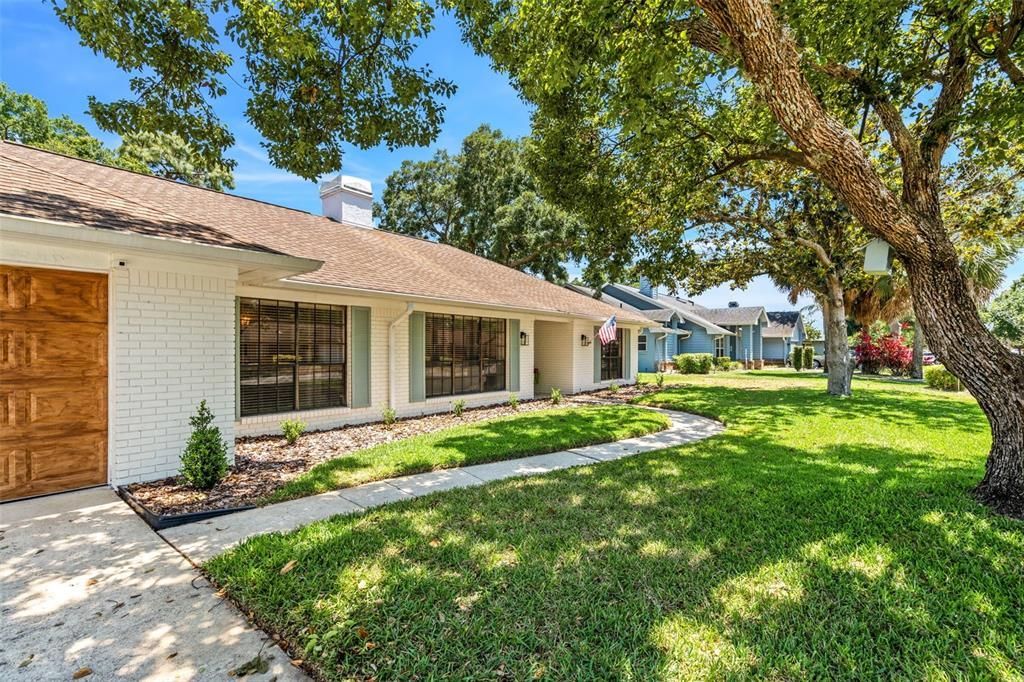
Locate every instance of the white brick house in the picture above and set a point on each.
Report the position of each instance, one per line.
(129, 299)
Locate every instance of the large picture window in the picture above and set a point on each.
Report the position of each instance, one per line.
(291, 356)
(464, 354)
(611, 358)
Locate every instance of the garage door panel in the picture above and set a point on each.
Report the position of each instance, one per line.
(52, 295)
(48, 465)
(53, 396)
(39, 351)
(53, 408)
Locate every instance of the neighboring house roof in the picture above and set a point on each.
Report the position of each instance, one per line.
(48, 186)
(660, 302)
(782, 324)
(735, 316)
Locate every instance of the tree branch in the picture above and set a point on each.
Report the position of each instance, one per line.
(956, 85)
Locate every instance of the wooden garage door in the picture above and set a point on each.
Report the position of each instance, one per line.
(53, 392)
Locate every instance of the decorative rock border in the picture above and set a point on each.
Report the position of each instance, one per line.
(204, 540)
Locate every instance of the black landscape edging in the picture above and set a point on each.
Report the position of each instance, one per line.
(162, 521)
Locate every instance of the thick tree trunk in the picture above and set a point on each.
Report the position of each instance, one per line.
(912, 224)
(917, 362)
(993, 375)
(838, 364)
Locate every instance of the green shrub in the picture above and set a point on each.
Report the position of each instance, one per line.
(735, 364)
(614, 388)
(458, 407)
(389, 416)
(513, 401)
(205, 459)
(292, 429)
(723, 364)
(694, 363)
(659, 379)
(941, 378)
(796, 358)
(808, 356)
(556, 395)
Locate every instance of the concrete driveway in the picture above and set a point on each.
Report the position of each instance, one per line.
(85, 584)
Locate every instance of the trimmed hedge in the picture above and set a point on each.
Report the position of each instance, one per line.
(808, 357)
(796, 358)
(694, 363)
(722, 363)
(940, 378)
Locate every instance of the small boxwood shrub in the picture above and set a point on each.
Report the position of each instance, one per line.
(614, 388)
(940, 378)
(205, 459)
(694, 363)
(292, 429)
(556, 395)
(723, 364)
(389, 416)
(808, 357)
(659, 379)
(513, 401)
(796, 358)
(459, 406)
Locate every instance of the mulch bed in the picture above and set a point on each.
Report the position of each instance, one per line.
(265, 463)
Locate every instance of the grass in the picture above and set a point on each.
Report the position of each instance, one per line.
(530, 433)
(815, 538)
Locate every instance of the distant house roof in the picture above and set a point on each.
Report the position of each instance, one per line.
(735, 316)
(782, 324)
(43, 185)
(663, 303)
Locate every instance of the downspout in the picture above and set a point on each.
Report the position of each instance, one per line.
(392, 363)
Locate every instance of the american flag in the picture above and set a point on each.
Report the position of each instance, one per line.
(607, 331)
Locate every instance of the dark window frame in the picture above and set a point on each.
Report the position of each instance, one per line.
(641, 343)
(302, 366)
(611, 358)
(464, 354)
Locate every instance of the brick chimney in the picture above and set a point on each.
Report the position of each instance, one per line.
(645, 287)
(348, 200)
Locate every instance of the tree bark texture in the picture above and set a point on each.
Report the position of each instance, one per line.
(917, 362)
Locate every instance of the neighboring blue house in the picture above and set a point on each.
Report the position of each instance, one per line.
(785, 330)
(684, 327)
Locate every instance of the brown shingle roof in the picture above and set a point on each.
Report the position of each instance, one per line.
(781, 324)
(39, 184)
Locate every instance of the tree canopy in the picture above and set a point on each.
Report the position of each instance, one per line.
(26, 119)
(1005, 315)
(318, 73)
(483, 200)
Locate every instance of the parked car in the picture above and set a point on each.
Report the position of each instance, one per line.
(929, 358)
(819, 360)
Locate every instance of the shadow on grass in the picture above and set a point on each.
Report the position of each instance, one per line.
(745, 555)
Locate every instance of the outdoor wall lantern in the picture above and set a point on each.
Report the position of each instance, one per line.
(524, 339)
(584, 340)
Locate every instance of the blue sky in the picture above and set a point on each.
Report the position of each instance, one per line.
(39, 55)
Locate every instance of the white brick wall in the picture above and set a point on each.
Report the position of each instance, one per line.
(172, 345)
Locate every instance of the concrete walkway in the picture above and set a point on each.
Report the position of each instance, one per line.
(85, 584)
(206, 539)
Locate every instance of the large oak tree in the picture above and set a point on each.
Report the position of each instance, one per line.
(725, 82)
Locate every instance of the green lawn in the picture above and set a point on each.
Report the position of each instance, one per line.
(529, 433)
(815, 538)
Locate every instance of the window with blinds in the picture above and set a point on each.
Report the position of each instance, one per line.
(291, 356)
(464, 354)
(611, 358)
